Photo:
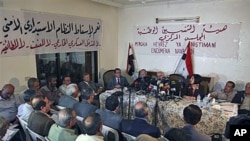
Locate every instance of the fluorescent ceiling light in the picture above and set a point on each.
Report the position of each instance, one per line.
(110, 3)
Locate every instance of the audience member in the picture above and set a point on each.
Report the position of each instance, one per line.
(109, 115)
(87, 83)
(25, 109)
(50, 90)
(139, 125)
(175, 134)
(70, 97)
(192, 115)
(117, 81)
(92, 125)
(194, 88)
(63, 130)
(9, 103)
(33, 84)
(227, 93)
(66, 82)
(39, 121)
(4, 125)
(142, 82)
(85, 107)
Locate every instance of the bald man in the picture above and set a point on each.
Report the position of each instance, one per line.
(9, 103)
(140, 125)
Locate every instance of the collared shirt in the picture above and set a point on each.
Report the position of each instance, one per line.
(24, 111)
(223, 96)
(8, 107)
(57, 133)
(85, 137)
(246, 103)
(53, 95)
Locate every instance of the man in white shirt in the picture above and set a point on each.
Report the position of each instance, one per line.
(25, 109)
(227, 93)
(66, 82)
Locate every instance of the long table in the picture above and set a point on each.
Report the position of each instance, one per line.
(128, 113)
(212, 120)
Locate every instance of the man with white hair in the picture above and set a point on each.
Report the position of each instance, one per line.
(70, 97)
(62, 131)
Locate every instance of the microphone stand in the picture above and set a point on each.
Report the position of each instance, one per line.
(121, 98)
(129, 102)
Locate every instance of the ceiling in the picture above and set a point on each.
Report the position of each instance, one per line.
(128, 3)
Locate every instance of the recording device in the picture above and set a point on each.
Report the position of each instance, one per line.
(172, 89)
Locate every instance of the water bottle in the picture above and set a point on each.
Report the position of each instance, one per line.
(205, 102)
(199, 100)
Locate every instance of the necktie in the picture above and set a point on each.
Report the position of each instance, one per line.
(118, 80)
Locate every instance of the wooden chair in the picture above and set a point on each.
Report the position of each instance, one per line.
(35, 136)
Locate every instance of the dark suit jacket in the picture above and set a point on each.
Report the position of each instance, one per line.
(193, 135)
(84, 108)
(239, 97)
(112, 82)
(139, 126)
(189, 91)
(110, 118)
(141, 83)
(66, 101)
(40, 123)
(83, 85)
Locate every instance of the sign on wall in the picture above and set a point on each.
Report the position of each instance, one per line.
(210, 40)
(27, 32)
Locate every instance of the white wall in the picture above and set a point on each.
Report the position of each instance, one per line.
(25, 66)
(226, 11)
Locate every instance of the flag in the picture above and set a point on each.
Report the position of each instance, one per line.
(130, 61)
(185, 65)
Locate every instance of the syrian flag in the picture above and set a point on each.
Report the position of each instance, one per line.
(130, 61)
(185, 65)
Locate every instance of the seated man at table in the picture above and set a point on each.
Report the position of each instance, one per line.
(87, 83)
(162, 82)
(142, 82)
(140, 125)
(39, 121)
(109, 115)
(194, 88)
(192, 115)
(9, 103)
(70, 97)
(4, 125)
(227, 93)
(92, 125)
(63, 130)
(117, 81)
(85, 107)
(243, 98)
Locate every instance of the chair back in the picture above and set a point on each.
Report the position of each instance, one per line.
(24, 127)
(110, 134)
(47, 139)
(205, 82)
(129, 137)
(179, 81)
(106, 76)
(35, 136)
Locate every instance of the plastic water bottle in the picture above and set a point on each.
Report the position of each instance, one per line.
(199, 100)
(205, 102)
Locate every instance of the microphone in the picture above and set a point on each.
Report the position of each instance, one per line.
(172, 88)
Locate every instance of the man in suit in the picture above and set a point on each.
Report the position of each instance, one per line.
(87, 83)
(39, 121)
(142, 82)
(70, 97)
(85, 106)
(192, 115)
(139, 125)
(117, 81)
(109, 115)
